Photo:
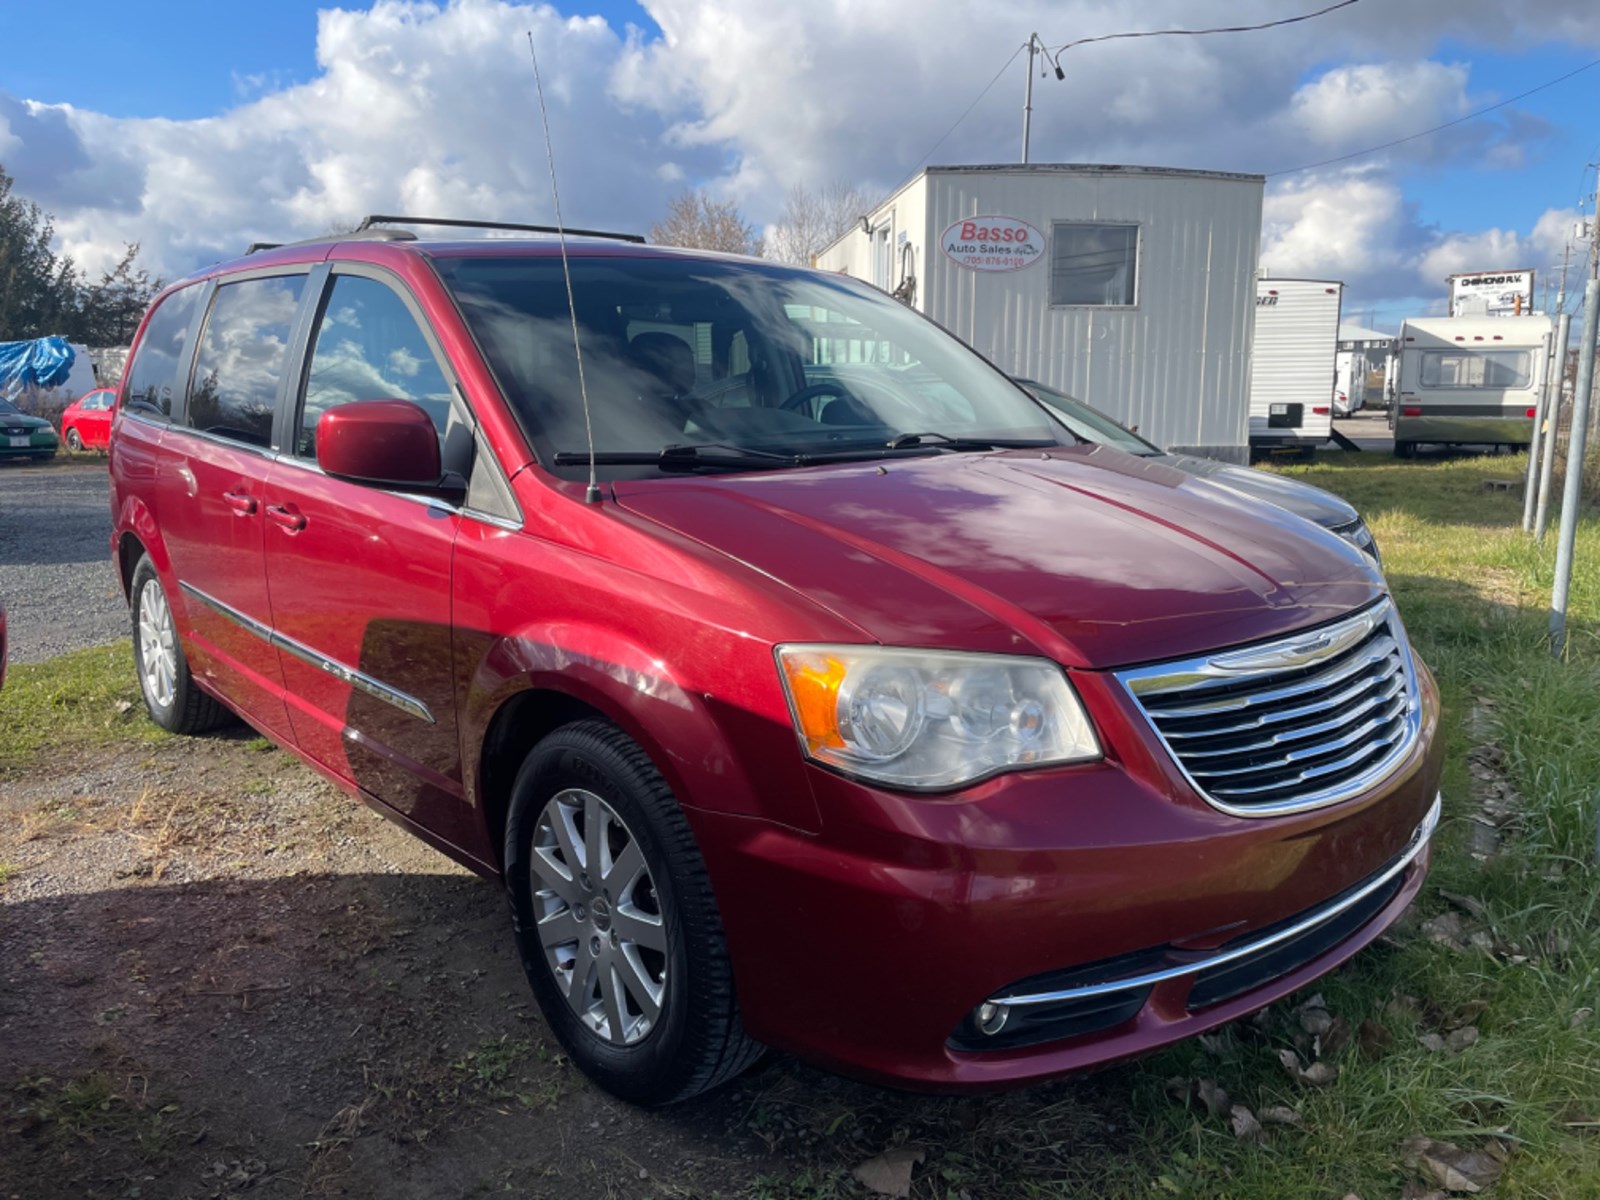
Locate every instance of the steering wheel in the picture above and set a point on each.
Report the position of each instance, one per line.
(796, 401)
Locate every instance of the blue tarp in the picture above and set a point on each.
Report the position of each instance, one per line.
(43, 362)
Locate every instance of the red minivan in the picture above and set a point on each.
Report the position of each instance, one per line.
(806, 684)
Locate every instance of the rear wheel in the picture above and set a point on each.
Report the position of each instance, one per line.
(617, 927)
(171, 696)
(1405, 449)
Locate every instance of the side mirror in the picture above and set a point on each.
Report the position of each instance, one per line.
(390, 443)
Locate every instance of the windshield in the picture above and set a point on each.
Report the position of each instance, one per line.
(1088, 423)
(740, 357)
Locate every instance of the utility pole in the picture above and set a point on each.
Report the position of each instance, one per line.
(1546, 420)
(1035, 46)
(1582, 398)
(1572, 492)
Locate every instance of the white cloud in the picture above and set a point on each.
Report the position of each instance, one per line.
(430, 108)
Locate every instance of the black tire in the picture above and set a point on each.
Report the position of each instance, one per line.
(698, 1042)
(1405, 449)
(189, 710)
(74, 442)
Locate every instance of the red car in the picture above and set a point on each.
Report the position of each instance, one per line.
(86, 422)
(876, 719)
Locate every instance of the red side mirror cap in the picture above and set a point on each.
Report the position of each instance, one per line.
(388, 442)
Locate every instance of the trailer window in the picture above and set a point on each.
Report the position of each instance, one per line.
(1464, 368)
(1094, 264)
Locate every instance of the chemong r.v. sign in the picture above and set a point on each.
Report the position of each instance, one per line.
(992, 243)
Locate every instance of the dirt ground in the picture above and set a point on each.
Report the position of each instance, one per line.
(220, 977)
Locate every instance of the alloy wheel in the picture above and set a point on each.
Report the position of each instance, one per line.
(599, 917)
(158, 645)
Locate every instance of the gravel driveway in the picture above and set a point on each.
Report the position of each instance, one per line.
(56, 578)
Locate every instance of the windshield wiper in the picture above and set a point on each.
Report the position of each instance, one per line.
(682, 457)
(946, 442)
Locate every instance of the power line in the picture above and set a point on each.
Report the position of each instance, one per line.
(1112, 37)
(1411, 137)
(968, 112)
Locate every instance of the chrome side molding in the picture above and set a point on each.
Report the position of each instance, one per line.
(359, 680)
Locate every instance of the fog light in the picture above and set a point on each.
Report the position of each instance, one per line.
(992, 1018)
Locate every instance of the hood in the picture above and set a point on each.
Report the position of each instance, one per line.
(1301, 499)
(23, 421)
(1085, 554)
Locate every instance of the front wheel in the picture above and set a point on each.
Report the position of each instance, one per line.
(619, 933)
(74, 442)
(171, 696)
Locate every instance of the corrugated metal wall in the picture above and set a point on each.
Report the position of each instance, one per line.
(1177, 363)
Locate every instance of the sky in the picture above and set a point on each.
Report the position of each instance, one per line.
(210, 125)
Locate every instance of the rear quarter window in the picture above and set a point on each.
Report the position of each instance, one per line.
(153, 373)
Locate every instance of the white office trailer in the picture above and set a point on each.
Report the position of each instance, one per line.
(1292, 363)
(1130, 288)
(1469, 380)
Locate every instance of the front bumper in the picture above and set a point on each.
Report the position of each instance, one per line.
(869, 948)
(42, 442)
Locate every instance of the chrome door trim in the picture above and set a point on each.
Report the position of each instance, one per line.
(359, 680)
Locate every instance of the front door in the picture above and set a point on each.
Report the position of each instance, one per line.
(212, 499)
(359, 576)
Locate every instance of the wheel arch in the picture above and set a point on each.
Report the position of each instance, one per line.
(520, 689)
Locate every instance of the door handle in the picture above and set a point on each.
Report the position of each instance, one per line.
(287, 516)
(242, 503)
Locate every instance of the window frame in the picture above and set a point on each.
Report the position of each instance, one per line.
(1468, 353)
(1138, 262)
(306, 349)
(296, 340)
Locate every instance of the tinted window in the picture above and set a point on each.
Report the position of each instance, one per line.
(152, 375)
(704, 350)
(1093, 264)
(1476, 368)
(368, 347)
(240, 363)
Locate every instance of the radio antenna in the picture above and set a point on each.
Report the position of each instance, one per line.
(592, 494)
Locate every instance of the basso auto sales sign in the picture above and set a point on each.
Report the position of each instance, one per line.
(992, 244)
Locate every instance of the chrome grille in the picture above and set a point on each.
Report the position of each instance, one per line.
(1290, 724)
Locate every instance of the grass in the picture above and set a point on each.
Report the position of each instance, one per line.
(1474, 591)
(71, 702)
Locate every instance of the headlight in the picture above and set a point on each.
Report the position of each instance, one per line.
(1359, 536)
(926, 719)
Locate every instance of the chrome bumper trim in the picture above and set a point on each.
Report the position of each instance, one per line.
(1419, 841)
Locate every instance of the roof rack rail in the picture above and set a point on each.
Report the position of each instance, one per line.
(362, 234)
(379, 219)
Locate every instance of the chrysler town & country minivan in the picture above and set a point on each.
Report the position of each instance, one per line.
(878, 721)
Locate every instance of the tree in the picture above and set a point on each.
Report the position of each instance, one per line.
(43, 293)
(38, 289)
(812, 220)
(695, 220)
(109, 311)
